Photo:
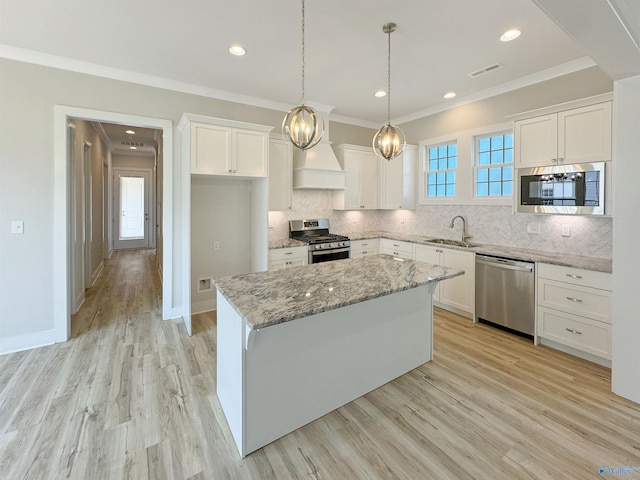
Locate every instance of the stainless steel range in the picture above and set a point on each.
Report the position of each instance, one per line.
(323, 246)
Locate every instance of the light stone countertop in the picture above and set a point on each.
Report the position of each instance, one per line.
(268, 298)
(285, 243)
(563, 259)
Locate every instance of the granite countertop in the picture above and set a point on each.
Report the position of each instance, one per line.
(285, 243)
(268, 298)
(563, 259)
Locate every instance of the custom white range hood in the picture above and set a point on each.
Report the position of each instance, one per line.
(318, 167)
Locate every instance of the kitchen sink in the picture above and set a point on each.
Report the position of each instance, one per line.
(455, 243)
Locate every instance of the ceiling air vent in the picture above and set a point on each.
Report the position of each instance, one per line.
(131, 144)
(484, 70)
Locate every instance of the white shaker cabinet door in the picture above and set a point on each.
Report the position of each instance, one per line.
(210, 149)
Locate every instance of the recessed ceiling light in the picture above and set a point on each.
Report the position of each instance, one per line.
(133, 148)
(449, 94)
(510, 35)
(380, 93)
(130, 132)
(237, 50)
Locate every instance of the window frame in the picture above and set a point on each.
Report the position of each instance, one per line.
(465, 171)
(427, 171)
(476, 167)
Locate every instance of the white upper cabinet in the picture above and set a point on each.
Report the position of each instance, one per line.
(361, 178)
(210, 149)
(280, 174)
(225, 147)
(398, 180)
(584, 134)
(249, 153)
(570, 136)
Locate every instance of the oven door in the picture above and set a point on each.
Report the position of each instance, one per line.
(317, 256)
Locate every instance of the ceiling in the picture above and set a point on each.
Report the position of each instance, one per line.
(119, 141)
(184, 45)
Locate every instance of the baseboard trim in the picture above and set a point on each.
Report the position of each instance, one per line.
(577, 353)
(28, 341)
(204, 306)
(97, 273)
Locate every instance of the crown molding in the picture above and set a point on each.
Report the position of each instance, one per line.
(64, 63)
(526, 81)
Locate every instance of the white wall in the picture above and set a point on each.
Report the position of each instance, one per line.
(626, 224)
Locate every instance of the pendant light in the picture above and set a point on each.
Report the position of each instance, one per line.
(301, 126)
(389, 141)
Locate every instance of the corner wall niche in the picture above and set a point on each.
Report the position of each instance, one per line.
(225, 168)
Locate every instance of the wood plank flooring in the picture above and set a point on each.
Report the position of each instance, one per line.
(133, 397)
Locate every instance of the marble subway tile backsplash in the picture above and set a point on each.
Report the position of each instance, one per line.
(589, 235)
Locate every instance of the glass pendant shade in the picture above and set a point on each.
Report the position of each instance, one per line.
(302, 127)
(388, 142)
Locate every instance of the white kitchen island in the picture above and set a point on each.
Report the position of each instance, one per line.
(297, 343)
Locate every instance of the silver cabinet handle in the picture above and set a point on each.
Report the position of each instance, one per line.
(570, 275)
(560, 159)
(573, 331)
(554, 160)
(577, 300)
(288, 253)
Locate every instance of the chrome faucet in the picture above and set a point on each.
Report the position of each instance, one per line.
(465, 236)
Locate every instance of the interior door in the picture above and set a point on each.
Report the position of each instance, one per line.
(131, 205)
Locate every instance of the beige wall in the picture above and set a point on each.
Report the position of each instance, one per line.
(28, 95)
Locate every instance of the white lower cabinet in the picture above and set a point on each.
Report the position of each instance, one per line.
(364, 248)
(396, 248)
(574, 309)
(456, 294)
(288, 257)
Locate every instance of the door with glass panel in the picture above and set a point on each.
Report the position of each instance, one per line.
(132, 198)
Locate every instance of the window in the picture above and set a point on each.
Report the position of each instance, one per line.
(494, 165)
(440, 174)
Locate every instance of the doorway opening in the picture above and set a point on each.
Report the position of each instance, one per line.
(72, 227)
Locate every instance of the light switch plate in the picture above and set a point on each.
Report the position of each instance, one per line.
(17, 226)
(533, 228)
(566, 230)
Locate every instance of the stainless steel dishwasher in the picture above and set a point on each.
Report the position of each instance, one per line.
(505, 293)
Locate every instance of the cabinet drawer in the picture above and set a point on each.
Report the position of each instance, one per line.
(362, 253)
(585, 301)
(288, 253)
(576, 276)
(397, 248)
(577, 332)
(367, 244)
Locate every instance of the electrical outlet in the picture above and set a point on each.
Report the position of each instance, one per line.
(566, 230)
(205, 285)
(533, 228)
(216, 245)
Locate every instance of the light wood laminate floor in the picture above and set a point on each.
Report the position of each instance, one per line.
(132, 396)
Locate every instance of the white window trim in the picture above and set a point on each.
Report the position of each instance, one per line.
(425, 171)
(509, 199)
(465, 182)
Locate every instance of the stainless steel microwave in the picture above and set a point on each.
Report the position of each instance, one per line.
(561, 189)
